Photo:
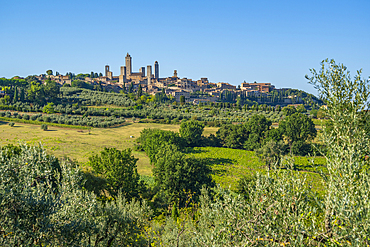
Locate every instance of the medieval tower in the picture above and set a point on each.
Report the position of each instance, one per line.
(149, 74)
(156, 70)
(128, 65)
(106, 70)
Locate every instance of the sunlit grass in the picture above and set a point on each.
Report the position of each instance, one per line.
(229, 165)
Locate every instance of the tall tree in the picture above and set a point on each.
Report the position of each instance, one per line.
(51, 89)
(21, 96)
(131, 88)
(15, 98)
(35, 93)
(182, 99)
(346, 180)
(139, 92)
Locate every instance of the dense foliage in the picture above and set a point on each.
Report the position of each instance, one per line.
(191, 132)
(118, 168)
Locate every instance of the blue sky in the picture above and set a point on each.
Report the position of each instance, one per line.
(228, 41)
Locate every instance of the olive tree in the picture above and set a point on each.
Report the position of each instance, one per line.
(43, 203)
(347, 203)
(271, 152)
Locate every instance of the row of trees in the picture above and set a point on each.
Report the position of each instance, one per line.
(97, 122)
(296, 129)
(19, 90)
(274, 97)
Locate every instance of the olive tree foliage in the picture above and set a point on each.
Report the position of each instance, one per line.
(347, 203)
(43, 203)
(271, 152)
(274, 211)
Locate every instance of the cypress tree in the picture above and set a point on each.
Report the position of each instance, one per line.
(139, 92)
(15, 94)
(22, 94)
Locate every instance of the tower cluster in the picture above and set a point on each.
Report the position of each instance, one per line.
(127, 75)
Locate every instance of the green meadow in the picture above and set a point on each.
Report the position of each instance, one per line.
(229, 165)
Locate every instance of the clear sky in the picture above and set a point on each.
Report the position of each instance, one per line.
(228, 41)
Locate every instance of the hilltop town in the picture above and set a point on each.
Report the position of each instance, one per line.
(194, 91)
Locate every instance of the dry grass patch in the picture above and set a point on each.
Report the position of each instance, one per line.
(80, 144)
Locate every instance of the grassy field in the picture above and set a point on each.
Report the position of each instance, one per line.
(79, 144)
(229, 165)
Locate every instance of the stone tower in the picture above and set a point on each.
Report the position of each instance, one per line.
(128, 65)
(156, 70)
(142, 71)
(175, 73)
(106, 70)
(149, 74)
(122, 76)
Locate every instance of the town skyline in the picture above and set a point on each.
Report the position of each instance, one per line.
(225, 42)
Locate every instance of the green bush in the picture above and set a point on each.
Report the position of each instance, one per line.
(44, 127)
(118, 168)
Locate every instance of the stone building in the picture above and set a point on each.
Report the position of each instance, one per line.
(223, 85)
(262, 87)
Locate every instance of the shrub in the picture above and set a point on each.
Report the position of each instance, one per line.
(44, 127)
(11, 124)
(119, 170)
(46, 118)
